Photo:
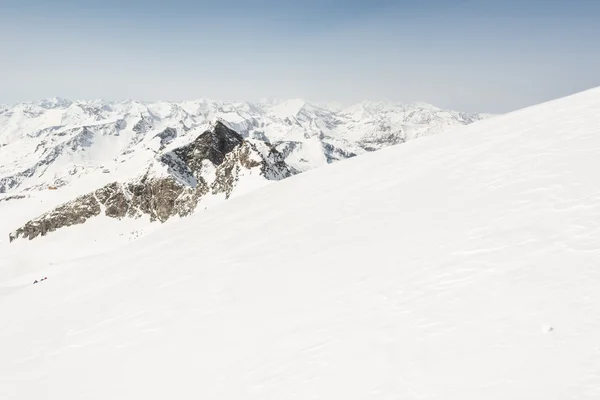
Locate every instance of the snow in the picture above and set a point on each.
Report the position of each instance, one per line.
(311, 155)
(289, 108)
(56, 142)
(461, 266)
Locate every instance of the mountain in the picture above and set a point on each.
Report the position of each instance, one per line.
(94, 152)
(462, 266)
(379, 124)
(56, 142)
(215, 163)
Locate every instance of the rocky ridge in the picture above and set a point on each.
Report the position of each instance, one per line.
(174, 184)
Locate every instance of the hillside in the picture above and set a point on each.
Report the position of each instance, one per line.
(217, 164)
(461, 266)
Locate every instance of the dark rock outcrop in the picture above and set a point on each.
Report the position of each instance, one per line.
(212, 145)
(144, 124)
(160, 197)
(166, 136)
(14, 197)
(72, 213)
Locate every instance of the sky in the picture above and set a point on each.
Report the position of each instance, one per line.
(468, 55)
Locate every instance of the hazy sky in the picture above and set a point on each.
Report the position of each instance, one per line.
(471, 55)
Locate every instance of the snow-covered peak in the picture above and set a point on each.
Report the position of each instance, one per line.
(365, 109)
(54, 102)
(288, 108)
(371, 108)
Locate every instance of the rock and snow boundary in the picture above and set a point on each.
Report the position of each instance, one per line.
(215, 163)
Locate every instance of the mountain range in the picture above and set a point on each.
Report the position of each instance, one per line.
(83, 147)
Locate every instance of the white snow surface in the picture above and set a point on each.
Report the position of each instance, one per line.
(461, 266)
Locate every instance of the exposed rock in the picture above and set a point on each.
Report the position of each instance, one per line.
(333, 153)
(213, 163)
(72, 213)
(143, 125)
(378, 143)
(211, 145)
(166, 136)
(14, 197)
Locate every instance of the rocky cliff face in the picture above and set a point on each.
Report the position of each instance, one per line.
(214, 163)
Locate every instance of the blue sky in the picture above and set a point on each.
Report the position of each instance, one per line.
(471, 55)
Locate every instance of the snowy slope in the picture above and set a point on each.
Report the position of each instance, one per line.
(462, 266)
(56, 142)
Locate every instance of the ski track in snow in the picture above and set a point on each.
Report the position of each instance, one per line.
(462, 266)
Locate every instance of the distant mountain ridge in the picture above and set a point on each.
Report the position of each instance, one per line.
(53, 142)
